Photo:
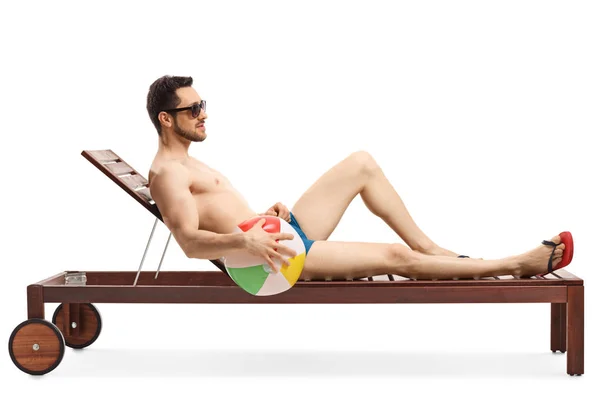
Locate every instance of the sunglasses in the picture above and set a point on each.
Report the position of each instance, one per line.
(194, 107)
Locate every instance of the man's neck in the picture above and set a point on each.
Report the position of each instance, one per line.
(174, 149)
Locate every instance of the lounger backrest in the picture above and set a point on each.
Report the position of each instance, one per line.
(125, 176)
(129, 180)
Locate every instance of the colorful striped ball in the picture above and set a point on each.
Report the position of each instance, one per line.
(253, 274)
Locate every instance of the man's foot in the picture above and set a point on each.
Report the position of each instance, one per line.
(536, 261)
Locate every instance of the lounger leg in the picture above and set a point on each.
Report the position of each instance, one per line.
(575, 330)
(35, 301)
(71, 315)
(558, 327)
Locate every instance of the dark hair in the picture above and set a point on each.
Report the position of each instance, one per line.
(161, 96)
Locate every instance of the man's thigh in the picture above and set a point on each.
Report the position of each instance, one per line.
(321, 207)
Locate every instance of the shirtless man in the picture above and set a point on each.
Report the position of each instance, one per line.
(201, 209)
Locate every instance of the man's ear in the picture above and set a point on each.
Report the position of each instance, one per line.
(165, 119)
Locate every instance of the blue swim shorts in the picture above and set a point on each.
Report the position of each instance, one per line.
(294, 223)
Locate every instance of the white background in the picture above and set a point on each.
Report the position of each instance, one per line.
(483, 115)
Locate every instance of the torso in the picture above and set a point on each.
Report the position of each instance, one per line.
(220, 206)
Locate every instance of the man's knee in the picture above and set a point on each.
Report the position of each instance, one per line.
(364, 161)
(403, 258)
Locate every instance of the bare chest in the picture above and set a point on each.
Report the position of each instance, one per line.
(207, 180)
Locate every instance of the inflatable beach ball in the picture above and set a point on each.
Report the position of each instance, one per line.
(253, 274)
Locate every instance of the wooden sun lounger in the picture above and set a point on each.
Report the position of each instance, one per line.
(37, 346)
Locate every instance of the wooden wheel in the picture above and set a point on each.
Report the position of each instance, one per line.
(36, 346)
(82, 333)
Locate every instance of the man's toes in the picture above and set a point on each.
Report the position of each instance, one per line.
(556, 239)
(556, 261)
(561, 246)
(557, 253)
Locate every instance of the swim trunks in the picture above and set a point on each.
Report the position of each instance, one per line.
(294, 223)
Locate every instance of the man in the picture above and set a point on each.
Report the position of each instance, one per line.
(202, 209)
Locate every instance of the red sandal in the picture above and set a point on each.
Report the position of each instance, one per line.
(567, 239)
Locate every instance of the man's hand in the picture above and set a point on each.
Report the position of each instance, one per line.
(264, 244)
(279, 210)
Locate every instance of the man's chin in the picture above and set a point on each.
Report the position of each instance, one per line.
(194, 138)
(191, 136)
(200, 138)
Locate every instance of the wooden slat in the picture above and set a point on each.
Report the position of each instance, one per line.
(145, 193)
(134, 181)
(450, 282)
(57, 279)
(552, 277)
(330, 279)
(565, 274)
(104, 155)
(384, 278)
(119, 168)
(165, 278)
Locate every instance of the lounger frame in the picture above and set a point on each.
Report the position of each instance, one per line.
(563, 290)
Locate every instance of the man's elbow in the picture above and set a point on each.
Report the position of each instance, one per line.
(190, 253)
(192, 250)
(189, 249)
(184, 242)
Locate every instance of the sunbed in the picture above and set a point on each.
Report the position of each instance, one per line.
(37, 345)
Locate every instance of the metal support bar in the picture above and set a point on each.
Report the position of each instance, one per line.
(163, 255)
(145, 251)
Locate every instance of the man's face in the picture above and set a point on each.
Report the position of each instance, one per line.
(184, 124)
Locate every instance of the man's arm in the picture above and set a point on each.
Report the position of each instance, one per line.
(170, 190)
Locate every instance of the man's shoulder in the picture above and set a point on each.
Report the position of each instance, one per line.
(168, 171)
